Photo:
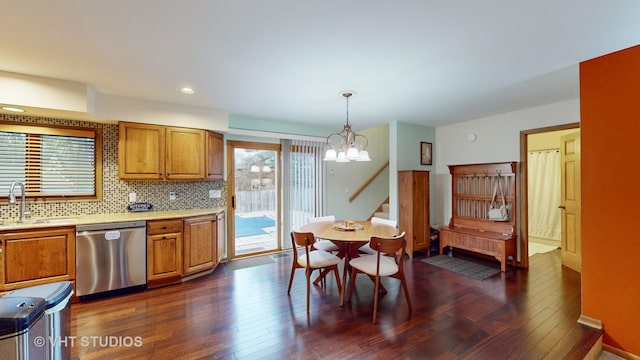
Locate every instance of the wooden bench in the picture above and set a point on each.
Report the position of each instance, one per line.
(470, 228)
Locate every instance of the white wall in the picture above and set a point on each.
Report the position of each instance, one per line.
(155, 112)
(65, 99)
(40, 92)
(498, 140)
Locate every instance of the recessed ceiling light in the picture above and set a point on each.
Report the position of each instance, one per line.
(12, 109)
(187, 90)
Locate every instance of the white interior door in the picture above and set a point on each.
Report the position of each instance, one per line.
(571, 248)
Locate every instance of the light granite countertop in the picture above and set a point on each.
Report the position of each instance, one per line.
(104, 218)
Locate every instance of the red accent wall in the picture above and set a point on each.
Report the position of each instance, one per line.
(610, 134)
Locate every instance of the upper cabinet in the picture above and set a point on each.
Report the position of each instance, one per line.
(215, 158)
(141, 151)
(185, 154)
(155, 152)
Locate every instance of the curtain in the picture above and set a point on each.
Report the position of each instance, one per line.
(306, 181)
(544, 194)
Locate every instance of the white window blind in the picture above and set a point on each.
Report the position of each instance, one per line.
(52, 162)
(306, 181)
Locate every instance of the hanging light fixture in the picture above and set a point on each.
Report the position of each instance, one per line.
(347, 145)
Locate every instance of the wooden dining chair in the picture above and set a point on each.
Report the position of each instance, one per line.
(312, 259)
(378, 265)
(322, 244)
(366, 249)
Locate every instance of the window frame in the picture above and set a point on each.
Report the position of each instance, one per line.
(60, 130)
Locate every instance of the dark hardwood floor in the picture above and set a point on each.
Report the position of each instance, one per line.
(246, 314)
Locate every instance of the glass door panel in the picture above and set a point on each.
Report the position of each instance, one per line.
(255, 199)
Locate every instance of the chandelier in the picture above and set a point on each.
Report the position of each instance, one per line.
(347, 145)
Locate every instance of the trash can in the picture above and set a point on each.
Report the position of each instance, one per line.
(22, 328)
(57, 315)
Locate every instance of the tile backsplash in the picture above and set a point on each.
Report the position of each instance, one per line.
(115, 192)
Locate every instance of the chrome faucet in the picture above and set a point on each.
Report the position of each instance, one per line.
(23, 200)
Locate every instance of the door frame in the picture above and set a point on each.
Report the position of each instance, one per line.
(231, 186)
(524, 187)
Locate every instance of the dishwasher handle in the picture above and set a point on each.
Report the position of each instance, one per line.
(111, 226)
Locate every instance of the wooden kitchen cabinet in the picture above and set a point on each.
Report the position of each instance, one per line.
(141, 150)
(413, 201)
(185, 153)
(164, 252)
(222, 236)
(215, 156)
(37, 256)
(154, 152)
(200, 246)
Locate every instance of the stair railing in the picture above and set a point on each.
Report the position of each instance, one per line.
(368, 182)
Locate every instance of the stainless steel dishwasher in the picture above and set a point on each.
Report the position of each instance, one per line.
(110, 256)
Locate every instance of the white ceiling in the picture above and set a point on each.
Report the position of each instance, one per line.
(422, 61)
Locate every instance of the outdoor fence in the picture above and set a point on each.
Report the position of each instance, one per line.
(301, 206)
(256, 201)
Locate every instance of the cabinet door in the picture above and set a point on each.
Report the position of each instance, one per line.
(222, 236)
(215, 156)
(185, 153)
(421, 230)
(33, 257)
(164, 256)
(413, 204)
(199, 244)
(141, 150)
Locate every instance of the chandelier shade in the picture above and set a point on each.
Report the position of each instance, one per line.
(346, 145)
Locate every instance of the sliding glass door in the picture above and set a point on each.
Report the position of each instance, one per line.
(254, 221)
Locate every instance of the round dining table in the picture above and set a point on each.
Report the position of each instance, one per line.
(348, 238)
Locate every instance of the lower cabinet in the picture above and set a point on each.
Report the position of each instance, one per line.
(200, 245)
(164, 252)
(37, 256)
(183, 247)
(176, 249)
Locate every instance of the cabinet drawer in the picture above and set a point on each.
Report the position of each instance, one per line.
(164, 226)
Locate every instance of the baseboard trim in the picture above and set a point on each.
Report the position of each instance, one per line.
(544, 241)
(590, 322)
(619, 352)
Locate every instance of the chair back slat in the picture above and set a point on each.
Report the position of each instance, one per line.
(388, 245)
(302, 239)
